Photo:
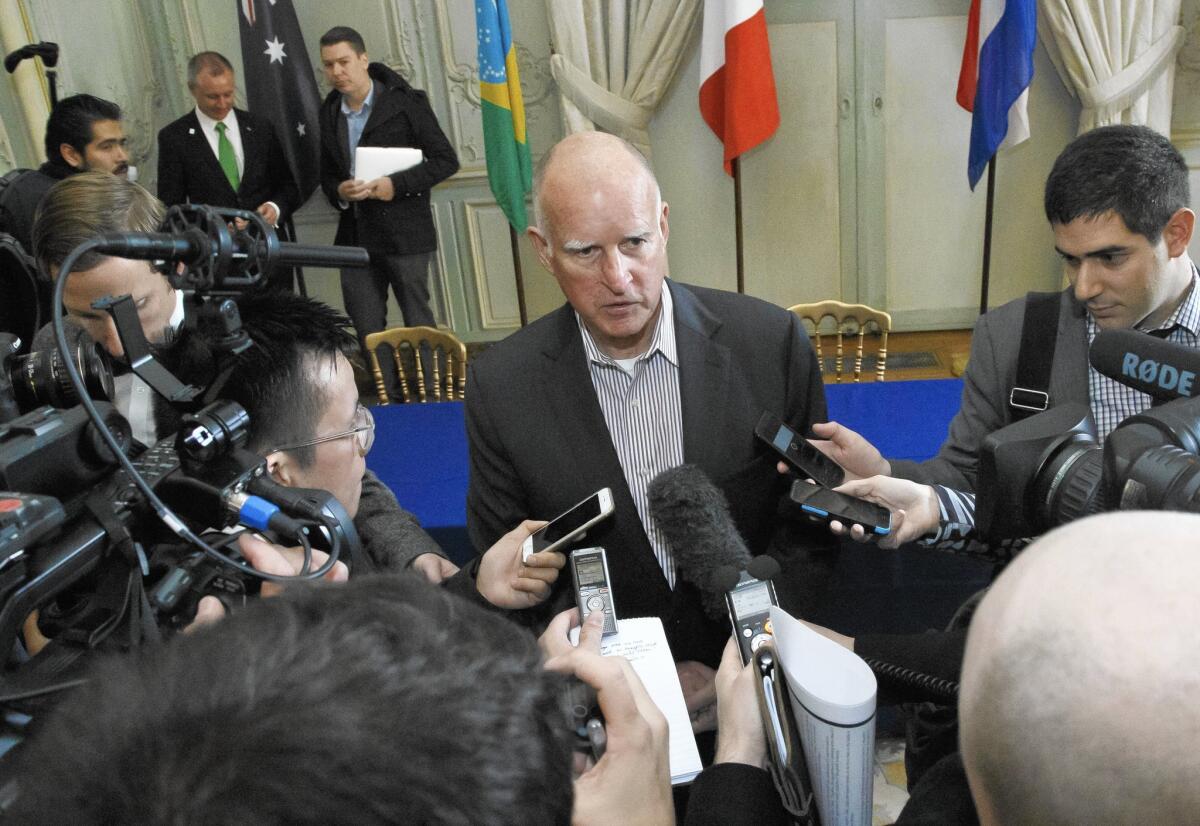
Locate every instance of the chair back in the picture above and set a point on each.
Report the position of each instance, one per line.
(440, 376)
(848, 318)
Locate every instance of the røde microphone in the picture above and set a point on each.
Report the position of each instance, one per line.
(1160, 368)
(694, 518)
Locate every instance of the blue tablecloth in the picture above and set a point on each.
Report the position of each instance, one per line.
(904, 419)
(420, 453)
(421, 449)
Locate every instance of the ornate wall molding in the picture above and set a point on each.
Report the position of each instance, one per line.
(401, 47)
(489, 318)
(1185, 120)
(462, 79)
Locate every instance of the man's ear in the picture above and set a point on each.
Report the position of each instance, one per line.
(541, 245)
(282, 468)
(1178, 231)
(71, 155)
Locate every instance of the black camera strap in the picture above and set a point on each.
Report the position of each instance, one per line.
(119, 598)
(1039, 335)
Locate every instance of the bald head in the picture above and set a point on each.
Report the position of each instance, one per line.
(1080, 677)
(584, 157)
(600, 227)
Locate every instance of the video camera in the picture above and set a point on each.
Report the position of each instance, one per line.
(100, 536)
(1050, 468)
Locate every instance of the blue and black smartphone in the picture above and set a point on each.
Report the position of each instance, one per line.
(849, 510)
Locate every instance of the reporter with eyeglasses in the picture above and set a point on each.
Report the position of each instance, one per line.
(298, 388)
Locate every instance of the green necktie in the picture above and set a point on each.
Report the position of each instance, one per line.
(226, 157)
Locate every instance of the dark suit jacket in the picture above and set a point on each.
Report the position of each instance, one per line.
(400, 116)
(188, 170)
(539, 443)
(990, 377)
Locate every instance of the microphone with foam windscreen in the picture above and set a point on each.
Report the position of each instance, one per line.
(694, 518)
(1163, 369)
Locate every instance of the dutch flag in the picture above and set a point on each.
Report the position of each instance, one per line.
(997, 68)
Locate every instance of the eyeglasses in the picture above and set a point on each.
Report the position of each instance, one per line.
(363, 428)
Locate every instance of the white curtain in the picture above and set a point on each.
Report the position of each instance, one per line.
(1116, 56)
(614, 60)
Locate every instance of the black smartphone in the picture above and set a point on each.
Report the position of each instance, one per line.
(850, 510)
(797, 452)
(749, 603)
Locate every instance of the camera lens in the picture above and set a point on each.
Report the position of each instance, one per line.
(1068, 484)
(40, 378)
(1163, 478)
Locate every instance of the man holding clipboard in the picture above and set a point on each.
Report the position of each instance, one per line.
(373, 108)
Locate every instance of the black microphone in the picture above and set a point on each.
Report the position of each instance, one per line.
(694, 518)
(194, 245)
(1162, 369)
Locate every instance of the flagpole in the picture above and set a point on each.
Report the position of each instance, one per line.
(987, 236)
(516, 254)
(735, 167)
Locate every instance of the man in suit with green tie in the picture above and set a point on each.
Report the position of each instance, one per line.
(223, 156)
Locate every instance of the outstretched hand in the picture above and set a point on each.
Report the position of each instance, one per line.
(740, 737)
(858, 457)
(507, 581)
(914, 509)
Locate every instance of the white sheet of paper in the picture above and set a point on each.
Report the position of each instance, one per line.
(371, 162)
(643, 642)
(833, 699)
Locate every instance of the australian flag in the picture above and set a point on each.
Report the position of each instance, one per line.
(280, 85)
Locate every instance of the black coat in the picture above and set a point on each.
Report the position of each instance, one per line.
(20, 200)
(400, 116)
(188, 170)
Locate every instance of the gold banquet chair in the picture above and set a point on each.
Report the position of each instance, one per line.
(847, 318)
(447, 374)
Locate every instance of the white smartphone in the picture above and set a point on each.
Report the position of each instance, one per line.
(570, 526)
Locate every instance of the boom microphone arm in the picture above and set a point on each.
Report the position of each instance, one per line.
(217, 258)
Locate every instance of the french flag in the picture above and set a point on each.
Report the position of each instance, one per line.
(737, 85)
(997, 68)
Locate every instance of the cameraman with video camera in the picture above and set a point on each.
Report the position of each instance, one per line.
(1118, 204)
(84, 205)
(295, 382)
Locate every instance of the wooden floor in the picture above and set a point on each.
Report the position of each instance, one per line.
(949, 349)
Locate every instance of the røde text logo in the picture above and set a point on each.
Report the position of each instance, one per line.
(1163, 375)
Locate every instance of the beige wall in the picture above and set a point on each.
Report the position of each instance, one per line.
(866, 203)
